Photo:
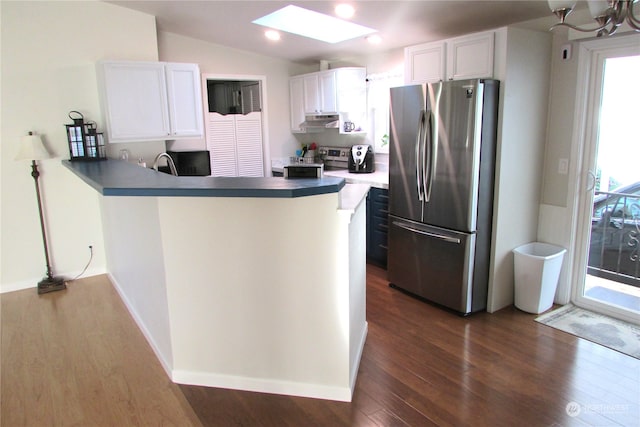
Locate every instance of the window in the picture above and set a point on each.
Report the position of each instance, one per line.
(378, 86)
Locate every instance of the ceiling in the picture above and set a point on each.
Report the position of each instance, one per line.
(400, 23)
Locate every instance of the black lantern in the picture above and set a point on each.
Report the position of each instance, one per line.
(85, 143)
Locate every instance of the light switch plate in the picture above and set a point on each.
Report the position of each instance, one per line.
(563, 166)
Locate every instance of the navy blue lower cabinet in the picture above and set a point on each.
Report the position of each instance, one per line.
(377, 226)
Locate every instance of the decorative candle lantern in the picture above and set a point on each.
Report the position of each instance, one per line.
(85, 143)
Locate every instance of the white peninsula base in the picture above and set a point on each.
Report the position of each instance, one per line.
(259, 294)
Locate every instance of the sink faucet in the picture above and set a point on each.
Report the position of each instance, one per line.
(172, 165)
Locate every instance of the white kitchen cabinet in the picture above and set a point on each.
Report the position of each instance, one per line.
(311, 93)
(296, 103)
(320, 92)
(234, 142)
(328, 91)
(340, 90)
(470, 57)
(150, 101)
(459, 58)
(425, 62)
(184, 99)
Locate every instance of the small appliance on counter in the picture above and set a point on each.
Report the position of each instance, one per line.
(334, 158)
(303, 170)
(362, 159)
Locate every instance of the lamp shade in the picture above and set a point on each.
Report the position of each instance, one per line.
(598, 8)
(561, 4)
(32, 148)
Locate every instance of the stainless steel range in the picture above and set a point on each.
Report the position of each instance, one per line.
(334, 157)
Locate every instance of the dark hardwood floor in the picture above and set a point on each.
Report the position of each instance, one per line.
(76, 358)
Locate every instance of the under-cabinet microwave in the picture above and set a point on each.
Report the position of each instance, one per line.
(304, 170)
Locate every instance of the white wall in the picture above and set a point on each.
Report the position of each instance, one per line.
(49, 50)
(133, 247)
(556, 208)
(522, 66)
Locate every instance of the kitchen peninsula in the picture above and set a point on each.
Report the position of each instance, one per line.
(244, 283)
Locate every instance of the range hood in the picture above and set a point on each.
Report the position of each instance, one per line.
(320, 122)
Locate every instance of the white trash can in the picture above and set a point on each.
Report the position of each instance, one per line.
(537, 270)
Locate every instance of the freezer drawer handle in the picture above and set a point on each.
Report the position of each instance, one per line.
(426, 233)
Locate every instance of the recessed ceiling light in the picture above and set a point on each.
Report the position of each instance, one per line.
(307, 23)
(344, 10)
(272, 35)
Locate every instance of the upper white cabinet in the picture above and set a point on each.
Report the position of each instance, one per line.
(337, 91)
(470, 57)
(459, 58)
(425, 62)
(320, 92)
(296, 103)
(150, 101)
(185, 99)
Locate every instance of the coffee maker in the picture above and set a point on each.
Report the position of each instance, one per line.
(361, 159)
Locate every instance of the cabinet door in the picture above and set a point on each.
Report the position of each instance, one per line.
(221, 143)
(377, 226)
(470, 57)
(328, 101)
(135, 101)
(425, 63)
(311, 85)
(185, 99)
(249, 144)
(296, 103)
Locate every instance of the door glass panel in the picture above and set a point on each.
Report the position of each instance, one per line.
(613, 272)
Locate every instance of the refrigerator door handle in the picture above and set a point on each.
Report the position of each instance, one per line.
(432, 136)
(420, 164)
(427, 159)
(427, 233)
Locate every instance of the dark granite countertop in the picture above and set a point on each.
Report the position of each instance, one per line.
(120, 178)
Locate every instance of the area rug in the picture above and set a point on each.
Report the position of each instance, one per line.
(613, 333)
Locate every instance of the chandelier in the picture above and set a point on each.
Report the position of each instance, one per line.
(608, 14)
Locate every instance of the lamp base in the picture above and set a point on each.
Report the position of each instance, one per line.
(51, 284)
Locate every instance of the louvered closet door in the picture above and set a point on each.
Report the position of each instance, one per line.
(249, 144)
(221, 143)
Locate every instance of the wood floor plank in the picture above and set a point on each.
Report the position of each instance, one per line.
(76, 358)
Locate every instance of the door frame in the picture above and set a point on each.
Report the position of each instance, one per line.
(585, 135)
(266, 152)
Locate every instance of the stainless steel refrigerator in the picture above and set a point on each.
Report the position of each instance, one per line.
(441, 179)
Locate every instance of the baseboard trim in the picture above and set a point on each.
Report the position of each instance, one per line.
(289, 388)
(156, 350)
(356, 362)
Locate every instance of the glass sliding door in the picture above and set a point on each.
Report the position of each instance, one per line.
(609, 243)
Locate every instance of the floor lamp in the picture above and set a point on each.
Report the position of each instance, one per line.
(32, 148)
